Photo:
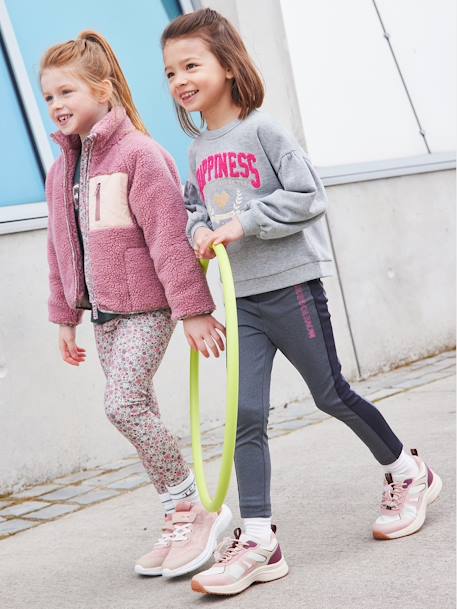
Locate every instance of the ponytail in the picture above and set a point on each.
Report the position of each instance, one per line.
(96, 61)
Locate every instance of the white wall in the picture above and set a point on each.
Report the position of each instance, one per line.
(51, 414)
(393, 242)
(352, 99)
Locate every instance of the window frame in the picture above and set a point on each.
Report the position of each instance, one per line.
(387, 168)
(32, 216)
(28, 216)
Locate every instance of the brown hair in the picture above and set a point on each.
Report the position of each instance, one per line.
(95, 61)
(226, 44)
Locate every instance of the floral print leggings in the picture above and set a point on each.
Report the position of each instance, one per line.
(130, 350)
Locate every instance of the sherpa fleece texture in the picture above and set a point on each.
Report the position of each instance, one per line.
(145, 265)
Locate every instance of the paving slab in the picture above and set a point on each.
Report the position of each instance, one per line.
(78, 476)
(95, 496)
(36, 491)
(13, 526)
(53, 511)
(20, 509)
(130, 483)
(326, 491)
(66, 492)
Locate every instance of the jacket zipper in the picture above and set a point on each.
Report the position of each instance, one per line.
(70, 240)
(97, 202)
(84, 208)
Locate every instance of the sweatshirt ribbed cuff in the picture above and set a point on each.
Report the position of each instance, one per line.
(248, 223)
(195, 228)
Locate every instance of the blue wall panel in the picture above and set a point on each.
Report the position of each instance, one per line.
(133, 29)
(20, 177)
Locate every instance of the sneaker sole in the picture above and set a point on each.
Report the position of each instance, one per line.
(219, 526)
(143, 571)
(261, 575)
(432, 493)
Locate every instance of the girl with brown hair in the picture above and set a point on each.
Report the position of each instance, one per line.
(252, 188)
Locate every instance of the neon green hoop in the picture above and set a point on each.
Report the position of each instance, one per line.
(231, 324)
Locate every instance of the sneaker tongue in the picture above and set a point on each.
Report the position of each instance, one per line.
(244, 539)
(184, 506)
(394, 478)
(406, 481)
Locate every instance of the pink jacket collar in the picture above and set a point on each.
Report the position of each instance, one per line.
(107, 132)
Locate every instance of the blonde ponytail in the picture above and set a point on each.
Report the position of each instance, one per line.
(96, 61)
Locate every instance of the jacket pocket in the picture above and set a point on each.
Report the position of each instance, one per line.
(143, 284)
(108, 202)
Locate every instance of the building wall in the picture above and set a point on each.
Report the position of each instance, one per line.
(393, 238)
(394, 242)
(391, 299)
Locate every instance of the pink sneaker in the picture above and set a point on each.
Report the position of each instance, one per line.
(404, 502)
(195, 534)
(239, 563)
(151, 563)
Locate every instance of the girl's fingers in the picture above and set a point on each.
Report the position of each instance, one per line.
(71, 355)
(220, 238)
(210, 341)
(191, 342)
(70, 360)
(219, 326)
(76, 353)
(205, 245)
(202, 348)
(218, 340)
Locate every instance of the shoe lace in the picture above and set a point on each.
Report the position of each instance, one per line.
(227, 549)
(165, 538)
(181, 532)
(392, 495)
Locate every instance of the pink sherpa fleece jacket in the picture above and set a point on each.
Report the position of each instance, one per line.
(138, 257)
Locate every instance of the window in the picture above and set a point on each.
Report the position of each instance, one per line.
(29, 29)
(357, 106)
(19, 159)
(423, 37)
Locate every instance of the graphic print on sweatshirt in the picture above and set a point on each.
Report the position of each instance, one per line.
(226, 181)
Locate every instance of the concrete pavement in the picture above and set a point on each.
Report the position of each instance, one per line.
(326, 491)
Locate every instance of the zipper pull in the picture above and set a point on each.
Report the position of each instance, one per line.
(97, 202)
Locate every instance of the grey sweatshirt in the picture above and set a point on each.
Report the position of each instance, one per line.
(253, 169)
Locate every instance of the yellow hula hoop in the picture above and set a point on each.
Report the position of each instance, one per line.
(231, 324)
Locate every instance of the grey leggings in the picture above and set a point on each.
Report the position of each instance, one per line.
(296, 321)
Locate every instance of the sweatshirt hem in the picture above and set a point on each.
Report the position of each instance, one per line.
(283, 279)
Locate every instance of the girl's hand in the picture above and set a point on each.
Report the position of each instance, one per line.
(228, 233)
(202, 243)
(71, 353)
(202, 332)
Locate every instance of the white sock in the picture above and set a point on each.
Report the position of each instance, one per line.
(258, 529)
(168, 504)
(404, 467)
(185, 490)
